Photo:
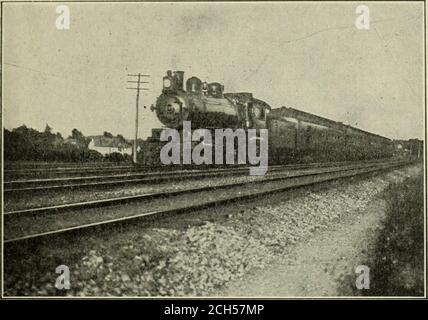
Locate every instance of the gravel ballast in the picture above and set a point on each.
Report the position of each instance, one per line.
(193, 254)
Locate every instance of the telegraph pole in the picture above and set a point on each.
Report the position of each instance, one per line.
(138, 88)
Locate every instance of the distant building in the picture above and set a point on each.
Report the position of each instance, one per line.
(106, 145)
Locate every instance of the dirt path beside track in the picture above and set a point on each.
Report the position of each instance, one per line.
(318, 266)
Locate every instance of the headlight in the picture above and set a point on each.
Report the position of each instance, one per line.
(167, 83)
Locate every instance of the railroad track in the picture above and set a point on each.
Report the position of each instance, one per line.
(101, 181)
(80, 171)
(64, 169)
(178, 202)
(13, 173)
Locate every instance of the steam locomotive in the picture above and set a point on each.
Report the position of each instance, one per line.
(206, 106)
(294, 136)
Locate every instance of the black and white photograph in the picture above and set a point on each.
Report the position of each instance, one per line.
(241, 150)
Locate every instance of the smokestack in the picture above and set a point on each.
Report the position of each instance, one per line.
(179, 79)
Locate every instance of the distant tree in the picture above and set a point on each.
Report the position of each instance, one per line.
(107, 134)
(76, 134)
(81, 140)
(22, 130)
(93, 155)
(28, 144)
(114, 157)
(48, 129)
(121, 138)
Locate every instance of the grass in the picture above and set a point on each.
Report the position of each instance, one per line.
(397, 266)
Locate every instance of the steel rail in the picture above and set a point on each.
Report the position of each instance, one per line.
(65, 169)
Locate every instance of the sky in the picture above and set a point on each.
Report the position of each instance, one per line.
(305, 55)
